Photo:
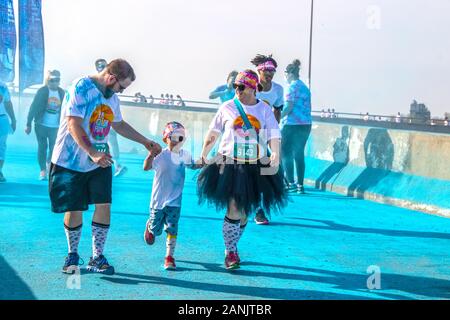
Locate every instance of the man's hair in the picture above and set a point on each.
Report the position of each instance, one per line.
(259, 59)
(121, 69)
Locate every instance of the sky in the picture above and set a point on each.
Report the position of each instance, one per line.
(371, 56)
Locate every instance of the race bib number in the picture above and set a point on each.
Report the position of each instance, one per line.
(101, 147)
(246, 151)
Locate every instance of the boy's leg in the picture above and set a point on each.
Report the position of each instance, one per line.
(154, 225)
(172, 216)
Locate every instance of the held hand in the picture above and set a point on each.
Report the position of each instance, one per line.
(153, 147)
(104, 160)
(28, 130)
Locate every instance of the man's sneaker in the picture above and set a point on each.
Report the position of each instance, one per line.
(300, 189)
(100, 265)
(2, 178)
(148, 236)
(120, 170)
(231, 261)
(260, 217)
(71, 263)
(169, 263)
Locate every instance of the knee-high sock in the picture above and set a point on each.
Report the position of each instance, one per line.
(73, 236)
(171, 242)
(231, 234)
(99, 233)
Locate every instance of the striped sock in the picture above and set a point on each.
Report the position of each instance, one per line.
(73, 236)
(231, 234)
(99, 233)
(171, 242)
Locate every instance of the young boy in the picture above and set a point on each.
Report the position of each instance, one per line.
(168, 182)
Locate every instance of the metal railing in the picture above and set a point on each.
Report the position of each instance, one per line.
(209, 106)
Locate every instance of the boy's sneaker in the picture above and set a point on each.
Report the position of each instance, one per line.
(71, 263)
(231, 261)
(100, 265)
(169, 263)
(300, 189)
(148, 236)
(260, 217)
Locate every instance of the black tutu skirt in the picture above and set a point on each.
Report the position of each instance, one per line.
(245, 183)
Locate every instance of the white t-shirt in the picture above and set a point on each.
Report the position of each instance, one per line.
(168, 181)
(84, 100)
(274, 97)
(51, 116)
(229, 122)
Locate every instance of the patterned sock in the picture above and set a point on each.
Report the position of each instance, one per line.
(231, 234)
(99, 233)
(171, 241)
(73, 236)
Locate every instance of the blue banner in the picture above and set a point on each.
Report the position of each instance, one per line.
(31, 44)
(7, 41)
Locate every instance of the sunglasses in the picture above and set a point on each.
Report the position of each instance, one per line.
(54, 80)
(175, 138)
(239, 87)
(121, 87)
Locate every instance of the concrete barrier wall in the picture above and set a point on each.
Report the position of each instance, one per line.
(404, 168)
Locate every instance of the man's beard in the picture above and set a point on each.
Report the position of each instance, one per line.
(109, 92)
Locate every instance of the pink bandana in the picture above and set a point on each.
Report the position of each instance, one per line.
(268, 65)
(248, 79)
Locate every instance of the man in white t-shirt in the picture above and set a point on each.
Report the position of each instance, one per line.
(81, 172)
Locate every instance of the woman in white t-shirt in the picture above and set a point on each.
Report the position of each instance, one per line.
(242, 176)
(46, 112)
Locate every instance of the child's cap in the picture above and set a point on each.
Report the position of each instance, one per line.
(172, 127)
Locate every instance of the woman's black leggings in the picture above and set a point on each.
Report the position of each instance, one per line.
(293, 142)
(46, 138)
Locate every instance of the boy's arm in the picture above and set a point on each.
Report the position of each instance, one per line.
(148, 162)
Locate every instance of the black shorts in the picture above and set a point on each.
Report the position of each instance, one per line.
(75, 191)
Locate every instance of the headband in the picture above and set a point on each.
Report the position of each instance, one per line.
(268, 65)
(248, 79)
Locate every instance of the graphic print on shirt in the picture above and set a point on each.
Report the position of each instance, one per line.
(246, 148)
(100, 122)
(53, 105)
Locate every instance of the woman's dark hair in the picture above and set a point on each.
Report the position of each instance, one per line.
(262, 59)
(294, 67)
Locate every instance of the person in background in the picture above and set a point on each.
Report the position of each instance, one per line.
(7, 126)
(225, 92)
(295, 127)
(180, 102)
(272, 94)
(119, 169)
(45, 110)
